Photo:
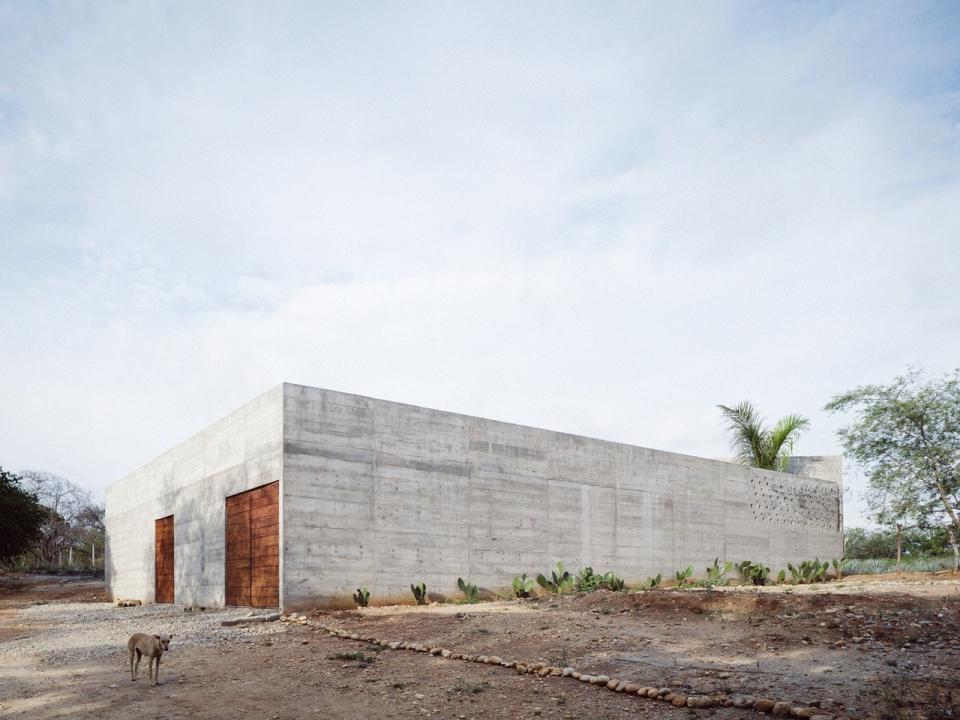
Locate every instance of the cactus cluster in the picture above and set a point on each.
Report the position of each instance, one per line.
(651, 583)
(419, 593)
(683, 575)
(469, 590)
(809, 571)
(522, 586)
(362, 597)
(560, 580)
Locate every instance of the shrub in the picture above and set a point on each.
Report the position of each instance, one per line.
(781, 577)
(682, 575)
(522, 586)
(469, 590)
(419, 593)
(362, 597)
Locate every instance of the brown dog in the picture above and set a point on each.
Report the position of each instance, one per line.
(153, 646)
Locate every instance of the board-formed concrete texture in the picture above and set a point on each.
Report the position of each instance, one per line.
(191, 481)
(381, 494)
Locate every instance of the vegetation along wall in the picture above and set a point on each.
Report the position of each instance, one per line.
(381, 494)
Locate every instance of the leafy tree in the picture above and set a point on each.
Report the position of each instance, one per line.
(870, 544)
(22, 517)
(906, 436)
(756, 445)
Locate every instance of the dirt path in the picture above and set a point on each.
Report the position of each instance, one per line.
(859, 653)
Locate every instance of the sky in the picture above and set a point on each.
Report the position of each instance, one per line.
(601, 218)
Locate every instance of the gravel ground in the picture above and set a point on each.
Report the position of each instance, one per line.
(76, 631)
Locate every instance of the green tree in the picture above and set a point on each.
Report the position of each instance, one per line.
(906, 437)
(22, 517)
(759, 446)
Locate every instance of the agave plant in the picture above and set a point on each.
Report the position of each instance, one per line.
(682, 575)
(419, 593)
(559, 581)
(522, 586)
(362, 597)
(759, 446)
(650, 583)
(469, 590)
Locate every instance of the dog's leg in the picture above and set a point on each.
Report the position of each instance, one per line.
(132, 676)
(156, 677)
(136, 668)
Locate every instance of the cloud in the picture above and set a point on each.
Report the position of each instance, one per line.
(604, 223)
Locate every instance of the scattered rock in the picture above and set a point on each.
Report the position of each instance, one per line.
(781, 709)
(743, 701)
(763, 705)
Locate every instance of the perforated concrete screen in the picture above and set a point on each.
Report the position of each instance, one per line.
(381, 494)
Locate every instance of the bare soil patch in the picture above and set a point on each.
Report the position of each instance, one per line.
(855, 651)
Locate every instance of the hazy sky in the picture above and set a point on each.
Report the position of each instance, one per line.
(597, 218)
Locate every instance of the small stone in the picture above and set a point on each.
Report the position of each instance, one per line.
(743, 701)
(620, 686)
(781, 709)
(556, 671)
(567, 671)
(802, 712)
(575, 675)
(652, 692)
(631, 689)
(586, 678)
(612, 684)
(599, 679)
(445, 653)
(663, 691)
(419, 696)
(521, 668)
(679, 700)
(543, 672)
(482, 659)
(763, 705)
(494, 660)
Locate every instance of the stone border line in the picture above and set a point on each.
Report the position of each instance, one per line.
(777, 708)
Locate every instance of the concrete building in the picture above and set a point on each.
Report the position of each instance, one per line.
(303, 495)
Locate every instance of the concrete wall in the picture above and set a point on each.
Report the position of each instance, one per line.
(241, 451)
(382, 494)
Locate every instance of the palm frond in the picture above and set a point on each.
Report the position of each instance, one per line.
(784, 434)
(747, 435)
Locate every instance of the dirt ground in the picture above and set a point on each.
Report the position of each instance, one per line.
(866, 647)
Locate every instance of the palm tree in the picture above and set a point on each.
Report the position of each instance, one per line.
(759, 446)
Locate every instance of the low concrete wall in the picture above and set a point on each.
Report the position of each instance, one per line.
(382, 494)
(190, 482)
